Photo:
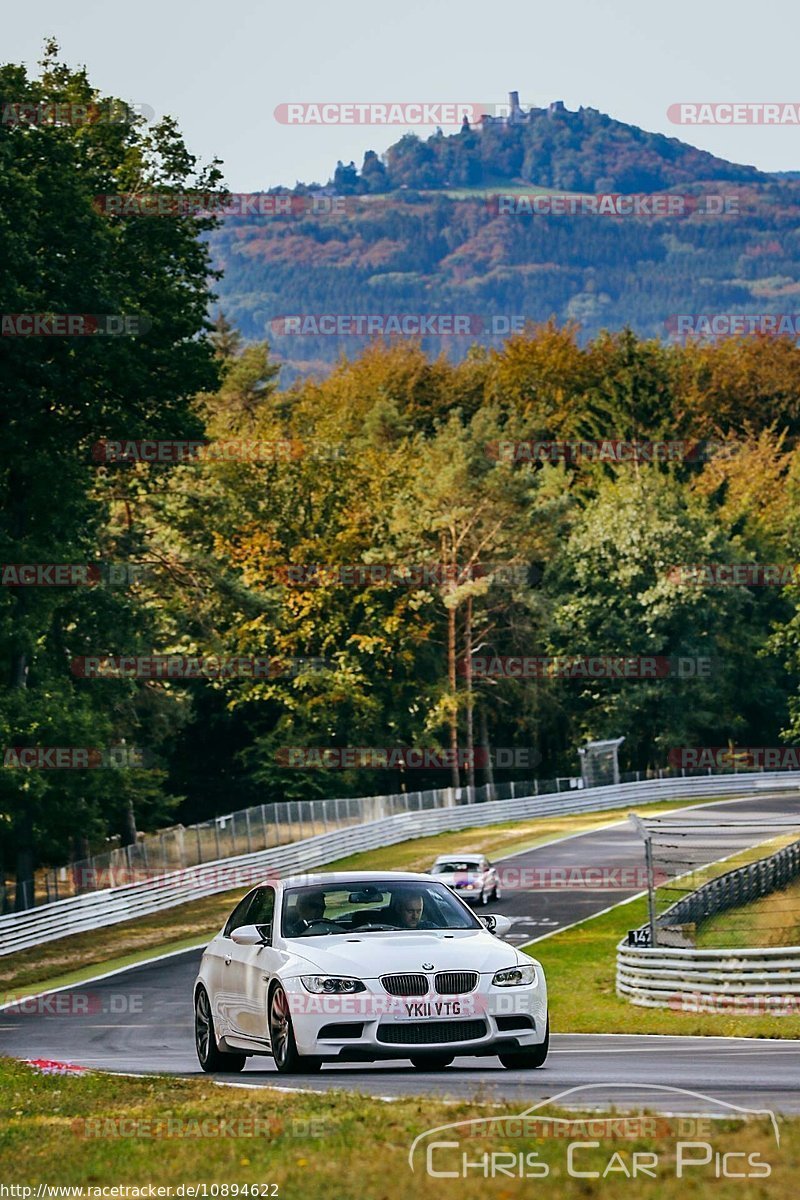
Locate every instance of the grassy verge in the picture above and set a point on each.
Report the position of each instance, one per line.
(773, 920)
(75, 958)
(580, 965)
(65, 1131)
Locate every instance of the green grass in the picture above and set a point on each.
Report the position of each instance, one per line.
(65, 1131)
(773, 920)
(75, 958)
(580, 965)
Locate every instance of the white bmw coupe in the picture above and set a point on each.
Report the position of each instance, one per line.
(365, 966)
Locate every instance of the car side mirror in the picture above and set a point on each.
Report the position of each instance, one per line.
(496, 925)
(250, 935)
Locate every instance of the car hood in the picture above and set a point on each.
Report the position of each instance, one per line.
(376, 954)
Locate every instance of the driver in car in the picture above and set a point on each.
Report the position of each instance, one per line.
(310, 907)
(406, 911)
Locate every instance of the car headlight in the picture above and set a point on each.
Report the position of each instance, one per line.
(514, 976)
(331, 985)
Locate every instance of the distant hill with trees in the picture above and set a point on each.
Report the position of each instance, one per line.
(418, 230)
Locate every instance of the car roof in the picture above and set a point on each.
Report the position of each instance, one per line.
(465, 854)
(333, 878)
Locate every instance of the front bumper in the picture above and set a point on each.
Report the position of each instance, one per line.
(373, 1025)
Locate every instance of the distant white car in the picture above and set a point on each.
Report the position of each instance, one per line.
(471, 875)
(365, 966)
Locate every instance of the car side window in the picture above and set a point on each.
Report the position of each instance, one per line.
(239, 916)
(262, 907)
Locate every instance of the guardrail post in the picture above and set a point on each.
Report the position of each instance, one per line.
(641, 828)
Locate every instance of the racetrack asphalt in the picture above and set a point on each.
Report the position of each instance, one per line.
(140, 1020)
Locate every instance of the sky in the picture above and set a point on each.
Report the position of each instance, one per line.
(222, 69)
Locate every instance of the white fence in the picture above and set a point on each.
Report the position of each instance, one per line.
(20, 931)
(750, 981)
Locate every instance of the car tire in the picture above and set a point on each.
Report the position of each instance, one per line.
(209, 1055)
(432, 1062)
(496, 893)
(534, 1056)
(282, 1040)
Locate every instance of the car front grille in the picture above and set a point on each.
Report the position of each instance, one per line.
(430, 1033)
(405, 985)
(455, 983)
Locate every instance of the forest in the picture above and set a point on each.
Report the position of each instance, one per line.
(208, 567)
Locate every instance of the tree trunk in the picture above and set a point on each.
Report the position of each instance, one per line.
(23, 894)
(129, 834)
(455, 778)
(468, 685)
(23, 825)
(487, 750)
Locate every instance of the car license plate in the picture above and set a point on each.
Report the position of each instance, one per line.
(421, 1010)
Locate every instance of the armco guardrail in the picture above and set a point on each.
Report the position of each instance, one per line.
(262, 827)
(19, 931)
(718, 980)
(748, 980)
(742, 885)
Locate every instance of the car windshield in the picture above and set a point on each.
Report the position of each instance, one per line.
(382, 906)
(455, 866)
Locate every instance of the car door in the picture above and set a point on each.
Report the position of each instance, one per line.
(227, 970)
(256, 966)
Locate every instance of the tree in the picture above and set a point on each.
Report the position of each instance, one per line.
(62, 253)
(617, 596)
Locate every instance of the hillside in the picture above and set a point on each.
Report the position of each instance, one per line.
(584, 151)
(422, 231)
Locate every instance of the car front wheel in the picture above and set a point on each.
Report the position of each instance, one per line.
(209, 1055)
(282, 1040)
(534, 1056)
